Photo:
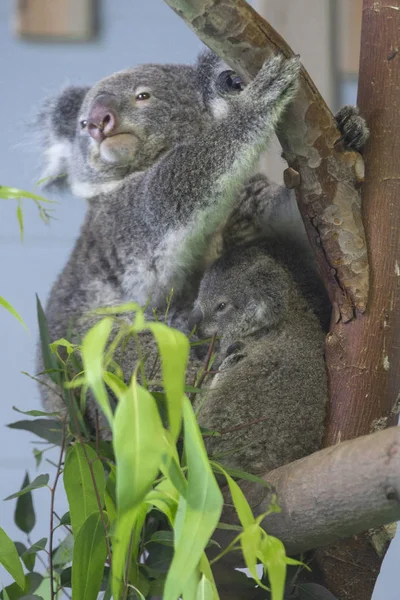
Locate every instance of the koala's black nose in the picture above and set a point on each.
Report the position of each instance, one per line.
(102, 119)
(195, 318)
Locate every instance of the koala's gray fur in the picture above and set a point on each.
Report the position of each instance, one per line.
(270, 390)
(158, 185)
(168, 187)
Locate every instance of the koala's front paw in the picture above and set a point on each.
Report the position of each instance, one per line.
(353, 128)
(277, 81)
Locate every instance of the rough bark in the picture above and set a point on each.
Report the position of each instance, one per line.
(328, 199)
(363, 356)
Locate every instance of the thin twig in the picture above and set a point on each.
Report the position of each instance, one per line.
(206, 371)
(53, 492)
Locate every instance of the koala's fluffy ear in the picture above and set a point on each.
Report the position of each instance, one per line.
(268, 293)
(206, 67)
(57, 123)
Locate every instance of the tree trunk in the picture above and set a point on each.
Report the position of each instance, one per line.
(363, 355)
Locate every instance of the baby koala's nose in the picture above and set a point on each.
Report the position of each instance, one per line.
(102, 120)
(195, 318)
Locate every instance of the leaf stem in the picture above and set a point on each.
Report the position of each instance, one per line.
(52, 497)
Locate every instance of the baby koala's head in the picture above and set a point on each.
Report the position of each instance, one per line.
(245, 291)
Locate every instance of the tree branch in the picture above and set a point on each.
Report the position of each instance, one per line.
(331, 495)
(327, 196)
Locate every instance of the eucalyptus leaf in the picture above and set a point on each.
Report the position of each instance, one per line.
(29, 556)
(63, 554)
(24, 515)
(93, 348)
(11, 309)
(10, 560)
(50, 361)
(198, 514)
(90, 551)
(81, 465)
(14, 592)
(173, 346)
(205, 590)
(39, 482)
(47, 429)
(36, 413)
(138, 446)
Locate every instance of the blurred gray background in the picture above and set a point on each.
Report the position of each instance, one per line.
(131, 32)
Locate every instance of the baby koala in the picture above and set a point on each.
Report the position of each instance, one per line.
(268, 399)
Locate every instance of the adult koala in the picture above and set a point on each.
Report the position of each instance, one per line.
(160, 168)
(162, 153)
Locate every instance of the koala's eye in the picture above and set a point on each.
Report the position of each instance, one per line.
(83, 124)
(221, 307)
(229, 82)
(142, 96)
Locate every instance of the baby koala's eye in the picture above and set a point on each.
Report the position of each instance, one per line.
(221, 306)
(83, 124)
(229, 82)
(142, 96)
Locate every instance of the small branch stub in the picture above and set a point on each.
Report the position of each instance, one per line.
(291, 178)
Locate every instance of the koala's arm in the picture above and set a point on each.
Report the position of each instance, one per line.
(192, 189)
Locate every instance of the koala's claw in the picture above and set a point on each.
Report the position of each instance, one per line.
(353, 128)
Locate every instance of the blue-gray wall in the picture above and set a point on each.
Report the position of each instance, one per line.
(132, 32)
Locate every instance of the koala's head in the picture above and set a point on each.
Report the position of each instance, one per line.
(243, 292)
(95, 136)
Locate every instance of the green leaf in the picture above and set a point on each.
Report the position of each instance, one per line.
(93, 348)
(90, 553)
(48, 429)
(273, 556)
(63, 554)
(39, 482)
(10, 560)
(8, 193)
(29, 556)
(7, 306)
(32, 584)
(173, 346)
(241, 505)
(65, 519)
(36, 413)
(165, 498)
(138, 446)
(198, 515)
(78, 483)
(50, 361)
(205, 590)
(20, 218)
(43, 590)
(165, 538)
(250, 541)
(24, 515)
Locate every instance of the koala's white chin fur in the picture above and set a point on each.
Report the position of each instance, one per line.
(85, 189)
(118, 149)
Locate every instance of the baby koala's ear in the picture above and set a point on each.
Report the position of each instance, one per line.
(268, 292)
(57, 123)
